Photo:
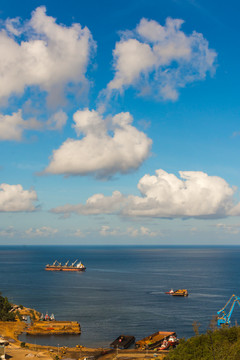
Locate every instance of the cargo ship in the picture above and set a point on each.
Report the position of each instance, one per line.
(179, 292)
(57, 266)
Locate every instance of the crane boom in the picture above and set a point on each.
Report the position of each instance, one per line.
(74, 262)
(224, 317)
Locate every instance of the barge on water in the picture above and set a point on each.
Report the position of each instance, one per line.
(179, 292)
(156, 340)
(122, 342)
(57, 266)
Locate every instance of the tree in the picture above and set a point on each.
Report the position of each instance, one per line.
(5, 310)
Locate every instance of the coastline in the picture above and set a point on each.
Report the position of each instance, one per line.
(16, 350)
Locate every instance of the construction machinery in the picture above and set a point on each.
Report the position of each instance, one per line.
(224, 316)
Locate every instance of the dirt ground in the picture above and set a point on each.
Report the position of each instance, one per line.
(16, 353)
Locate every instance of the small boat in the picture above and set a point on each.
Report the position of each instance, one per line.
(179, 292)
(165, 345)
(122, 342)
(173, 340)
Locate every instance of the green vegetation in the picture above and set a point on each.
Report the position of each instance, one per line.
(5, 310)
(220, 344)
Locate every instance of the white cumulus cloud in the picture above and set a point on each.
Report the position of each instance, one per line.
(12, 126)
(13, 198)
(194, 194)
(108, 146)
(50, 56)
(160, 60)
(163, 195)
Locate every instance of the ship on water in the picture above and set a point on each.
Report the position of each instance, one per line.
(57, 266)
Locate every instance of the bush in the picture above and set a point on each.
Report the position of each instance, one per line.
(220, 344)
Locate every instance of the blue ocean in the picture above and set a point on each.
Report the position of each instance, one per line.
(123, 288)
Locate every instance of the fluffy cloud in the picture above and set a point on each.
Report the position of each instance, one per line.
(195, 194)
(44, 231)
(143, 231)
(159, 60)
(14, 199)
(164, 195)
(51, 56)
(108, 146)
(12, 126)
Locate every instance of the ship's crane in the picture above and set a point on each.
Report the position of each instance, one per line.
(66, 263)
(224, 317)
(74, 262)
(56, 263)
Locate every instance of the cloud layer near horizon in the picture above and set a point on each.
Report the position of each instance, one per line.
(159, 60)
(108, 146)
(194, 194)
(13, 198)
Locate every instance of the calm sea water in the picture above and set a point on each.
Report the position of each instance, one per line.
(123, 288)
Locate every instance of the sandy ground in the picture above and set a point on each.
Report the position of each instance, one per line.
(14, 352)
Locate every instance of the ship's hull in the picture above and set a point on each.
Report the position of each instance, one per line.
(52, 268)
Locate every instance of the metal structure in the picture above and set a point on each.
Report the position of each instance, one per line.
(224, 317)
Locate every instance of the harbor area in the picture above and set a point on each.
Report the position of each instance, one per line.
(17, 350)
(31, 322)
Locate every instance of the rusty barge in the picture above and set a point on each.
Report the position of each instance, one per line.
(160, 340)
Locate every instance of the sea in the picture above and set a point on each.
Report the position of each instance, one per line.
(123, 288)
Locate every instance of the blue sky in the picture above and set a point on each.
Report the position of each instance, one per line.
(119, 122)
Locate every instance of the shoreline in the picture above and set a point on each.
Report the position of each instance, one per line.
(11, 330)
(18, 350)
